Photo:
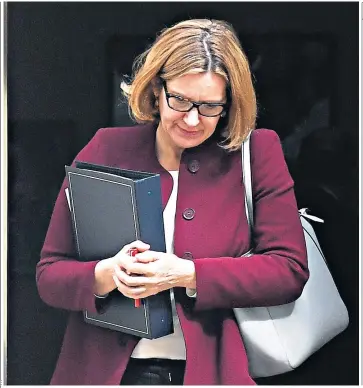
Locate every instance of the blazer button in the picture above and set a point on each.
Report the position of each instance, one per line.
(188, 214)
(188, 256)
(193, 166)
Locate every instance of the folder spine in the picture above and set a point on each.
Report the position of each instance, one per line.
(151, 223)
(151, 228)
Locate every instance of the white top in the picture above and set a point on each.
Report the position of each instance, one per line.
(171, 346)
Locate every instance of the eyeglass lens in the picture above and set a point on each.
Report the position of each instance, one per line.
(184, 106)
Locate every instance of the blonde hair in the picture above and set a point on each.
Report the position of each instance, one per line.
(196, 46)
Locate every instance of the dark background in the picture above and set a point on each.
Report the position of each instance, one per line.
(64, 63)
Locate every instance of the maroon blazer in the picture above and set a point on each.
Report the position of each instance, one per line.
(210, 183)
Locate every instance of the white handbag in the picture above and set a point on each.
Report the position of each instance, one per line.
(280, 338)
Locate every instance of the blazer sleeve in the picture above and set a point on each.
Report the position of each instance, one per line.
(62, 280)
(277, 271)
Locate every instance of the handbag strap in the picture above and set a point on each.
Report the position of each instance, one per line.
(247, 180)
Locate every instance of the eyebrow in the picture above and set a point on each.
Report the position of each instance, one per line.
(189, 99)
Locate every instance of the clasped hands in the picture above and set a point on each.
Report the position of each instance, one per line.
(143, 275)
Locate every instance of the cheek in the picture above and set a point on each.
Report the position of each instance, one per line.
(211, 125)
(169, 117)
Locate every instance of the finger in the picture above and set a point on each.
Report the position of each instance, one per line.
(138, 244)
(139, 269)
(129, 280)
(117, 282)
(153, 290)
(146, 257)
(147, 293)
(130, 292)
(127, 290)
(124, 261)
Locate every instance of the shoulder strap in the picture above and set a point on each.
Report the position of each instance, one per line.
(247, 180)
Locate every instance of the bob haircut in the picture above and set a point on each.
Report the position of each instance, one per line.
(189, 47)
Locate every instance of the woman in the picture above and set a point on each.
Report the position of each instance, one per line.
(193, 98)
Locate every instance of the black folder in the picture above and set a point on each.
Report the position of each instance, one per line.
(110, 208)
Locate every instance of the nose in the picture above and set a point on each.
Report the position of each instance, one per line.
(191, 118)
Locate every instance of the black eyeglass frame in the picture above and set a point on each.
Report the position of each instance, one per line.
(194, 104)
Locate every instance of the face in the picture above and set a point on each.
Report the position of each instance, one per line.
(181, 130)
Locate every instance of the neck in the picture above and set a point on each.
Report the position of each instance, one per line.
(167, 153)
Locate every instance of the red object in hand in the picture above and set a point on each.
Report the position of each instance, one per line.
(133, 252)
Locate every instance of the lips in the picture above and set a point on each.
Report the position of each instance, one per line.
(189, 133)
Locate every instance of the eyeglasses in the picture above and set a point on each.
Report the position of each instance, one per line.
(180, 104)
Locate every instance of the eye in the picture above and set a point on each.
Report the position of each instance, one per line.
(178, 103)
(179, 98)
(210, 106)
